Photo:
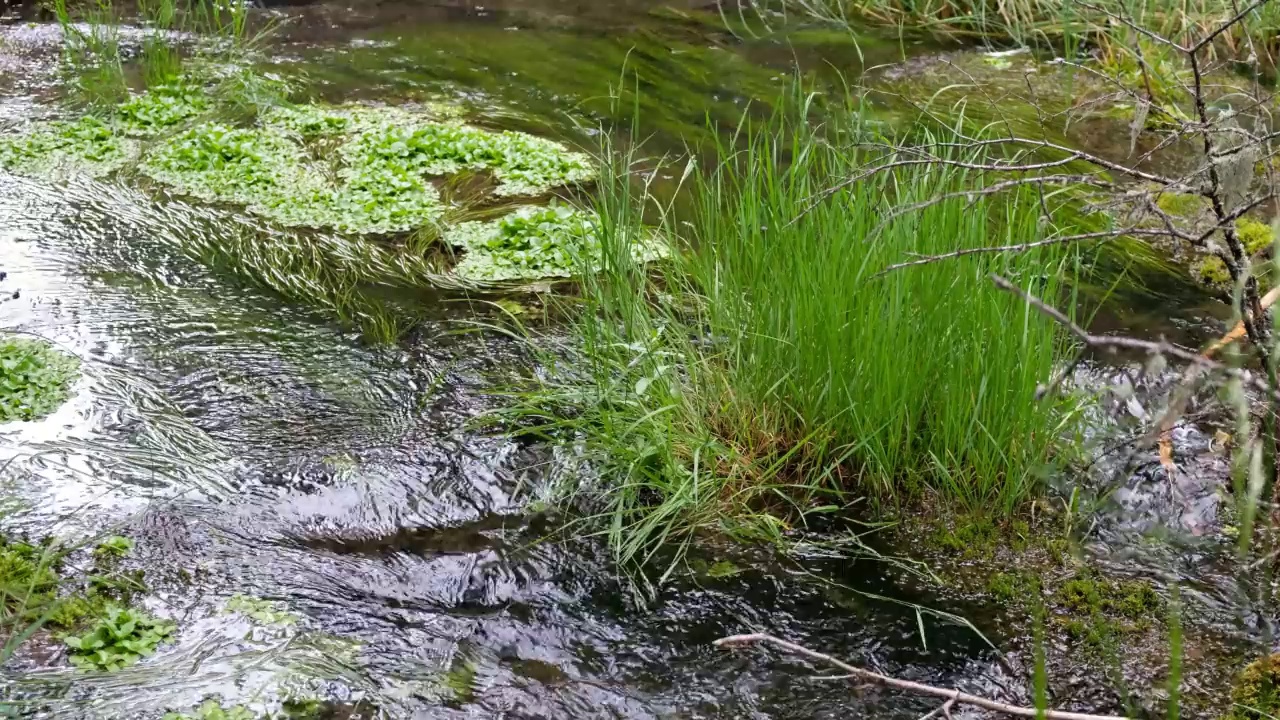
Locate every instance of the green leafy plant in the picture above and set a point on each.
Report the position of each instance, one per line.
(113, 548)
(120, 638)
(261, 611)
(35, 378)
(529, 243)
(87, 146)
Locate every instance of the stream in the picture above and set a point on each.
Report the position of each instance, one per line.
(250, 446)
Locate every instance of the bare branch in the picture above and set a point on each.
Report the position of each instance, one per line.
(1112, 342)
(1066, 239)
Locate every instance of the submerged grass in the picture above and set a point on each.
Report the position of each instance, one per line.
(773, 366)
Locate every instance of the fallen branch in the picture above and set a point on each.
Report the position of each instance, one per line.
(950, 697)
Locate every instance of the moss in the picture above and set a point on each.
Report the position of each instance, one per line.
(1004, 586)
(1255, 236)
(35, 378)
(1256, 692)
(1181, 204)
(972, 536)
(1210, 270)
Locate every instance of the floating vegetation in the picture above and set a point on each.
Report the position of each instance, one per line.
(160, 108)
(87, 146)
(263, 612)
(359, 170)
(34, 378)
(533, 242)
(121, 638)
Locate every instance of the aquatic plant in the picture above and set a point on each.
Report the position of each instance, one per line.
(523, 164)
(88, 146)
(112, 549)
(161, 107)
(529, 243)
(214, 162)
(35, 378)
(121, 638)
(260, 611)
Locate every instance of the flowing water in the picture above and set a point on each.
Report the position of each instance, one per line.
(249, 446)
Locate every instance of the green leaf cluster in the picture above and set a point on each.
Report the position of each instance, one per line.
(34, 378)
(534, 241)
(522, 163)
(160, 108)
(531, 242)
(119, 639)
(260, 611)
(87, 146)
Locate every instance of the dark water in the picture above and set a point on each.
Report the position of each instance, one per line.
(253, 447)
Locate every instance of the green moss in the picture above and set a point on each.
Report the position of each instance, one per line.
(1210, 270)
(1256, 692)
(35, 378)
(971, 536)
(1254, 235)
(1181, 204)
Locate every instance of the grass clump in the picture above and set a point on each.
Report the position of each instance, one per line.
(120, 638)
(35, 378)
(769, 364)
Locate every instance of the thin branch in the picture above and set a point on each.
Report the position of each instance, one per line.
(1023, 247)
(1112, 342)
(948, 695)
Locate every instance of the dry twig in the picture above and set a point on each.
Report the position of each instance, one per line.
(950, 697)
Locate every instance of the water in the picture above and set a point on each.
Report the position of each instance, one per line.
(250, 446)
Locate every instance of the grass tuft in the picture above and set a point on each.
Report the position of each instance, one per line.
(771, 366)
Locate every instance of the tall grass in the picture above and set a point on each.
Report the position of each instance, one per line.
(771, 368)
(93, 54)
